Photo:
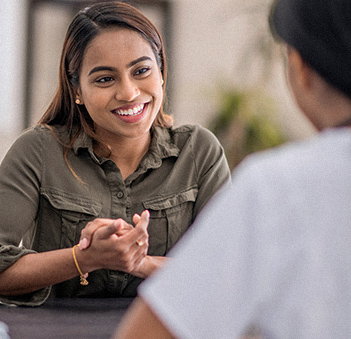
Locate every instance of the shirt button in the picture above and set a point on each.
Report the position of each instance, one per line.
(120, 195)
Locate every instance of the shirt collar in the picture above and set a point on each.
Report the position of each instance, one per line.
(161, 144)
(82, 142)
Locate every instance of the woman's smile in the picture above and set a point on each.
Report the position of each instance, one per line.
(129, 111)
(131, 114)
(121, 85)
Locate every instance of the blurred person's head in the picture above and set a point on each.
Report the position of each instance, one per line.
(318, 38)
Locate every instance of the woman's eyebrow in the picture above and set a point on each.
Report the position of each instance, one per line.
(143, 58)
(102, 68)
(113, 69)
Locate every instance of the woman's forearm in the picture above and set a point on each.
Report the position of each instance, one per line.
(35, 271)
(38, 270)
(107, 250)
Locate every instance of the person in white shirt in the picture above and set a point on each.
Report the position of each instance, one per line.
(270, 257)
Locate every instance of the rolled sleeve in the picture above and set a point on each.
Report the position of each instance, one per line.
(9, 254)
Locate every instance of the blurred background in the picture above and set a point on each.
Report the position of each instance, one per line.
(225, 71)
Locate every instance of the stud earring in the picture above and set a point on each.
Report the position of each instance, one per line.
(78, 102)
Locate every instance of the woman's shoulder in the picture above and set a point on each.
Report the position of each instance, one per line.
(197, 133)
(27, 147)
(38, 136)
(197, 141)
(30, 136)
(40, 132)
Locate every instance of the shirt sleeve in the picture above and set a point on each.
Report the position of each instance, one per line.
(211, 165)
(20, 175)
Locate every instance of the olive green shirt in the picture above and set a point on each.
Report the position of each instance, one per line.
(45, 206)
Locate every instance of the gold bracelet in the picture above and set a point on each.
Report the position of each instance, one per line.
(83, 277)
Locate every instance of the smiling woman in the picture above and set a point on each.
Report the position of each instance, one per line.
(103, 157)
(121, 88)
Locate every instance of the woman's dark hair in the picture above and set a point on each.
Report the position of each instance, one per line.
(86, 25)
(321, 32)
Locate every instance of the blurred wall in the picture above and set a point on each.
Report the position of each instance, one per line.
(12, 70)
(219, 43)
(213, 45)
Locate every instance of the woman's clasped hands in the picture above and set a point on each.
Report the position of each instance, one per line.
(116, 245)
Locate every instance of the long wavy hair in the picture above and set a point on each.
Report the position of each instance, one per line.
(86, 25)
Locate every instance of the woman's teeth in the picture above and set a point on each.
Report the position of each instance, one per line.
(131, 111)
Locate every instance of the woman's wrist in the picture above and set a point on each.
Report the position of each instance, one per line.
(149, 265)
(84, 261)
(83, 276)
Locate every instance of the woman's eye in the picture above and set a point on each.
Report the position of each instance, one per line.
(142, 71)
(104, 80)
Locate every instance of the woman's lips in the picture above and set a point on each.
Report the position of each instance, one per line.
(132, 111)
(131, 114)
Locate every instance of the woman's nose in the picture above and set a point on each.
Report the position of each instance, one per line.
(127, 90)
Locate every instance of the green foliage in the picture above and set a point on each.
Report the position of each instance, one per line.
(245, 124)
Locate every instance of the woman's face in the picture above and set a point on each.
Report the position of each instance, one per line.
(121, 84)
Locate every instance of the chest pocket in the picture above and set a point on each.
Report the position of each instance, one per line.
(170, 217)
(63, 216)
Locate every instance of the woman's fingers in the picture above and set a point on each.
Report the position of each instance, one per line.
(117, 251)
(124, 228)
(108, 230)
(119, 226)
(136, 218)
(141, 225)
(88, 231)
(143, 221)
(92, 226)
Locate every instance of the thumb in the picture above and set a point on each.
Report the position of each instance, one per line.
(136, 218)
(143, 220)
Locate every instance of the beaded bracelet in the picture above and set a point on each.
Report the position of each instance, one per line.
(83, 277)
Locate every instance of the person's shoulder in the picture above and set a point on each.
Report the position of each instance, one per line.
(191, 129)
(198, 134)
(275, 161)
(27, 146)
(31, 135)
(36, 136)
(37, 132)
(299, 159)
(321, 147)
(198, 141)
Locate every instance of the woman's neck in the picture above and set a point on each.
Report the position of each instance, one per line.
(127, 152)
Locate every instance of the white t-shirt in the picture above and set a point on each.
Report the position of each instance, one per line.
(273, 251)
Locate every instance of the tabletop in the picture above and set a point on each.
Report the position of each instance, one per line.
(65, 318)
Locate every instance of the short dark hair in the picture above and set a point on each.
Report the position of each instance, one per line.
(321, 32)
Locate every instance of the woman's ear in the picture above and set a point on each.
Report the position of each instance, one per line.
(308, 88)
(299, 69)
(78, 99)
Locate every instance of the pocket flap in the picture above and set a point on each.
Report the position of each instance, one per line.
(172, 200)
(69, 202)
